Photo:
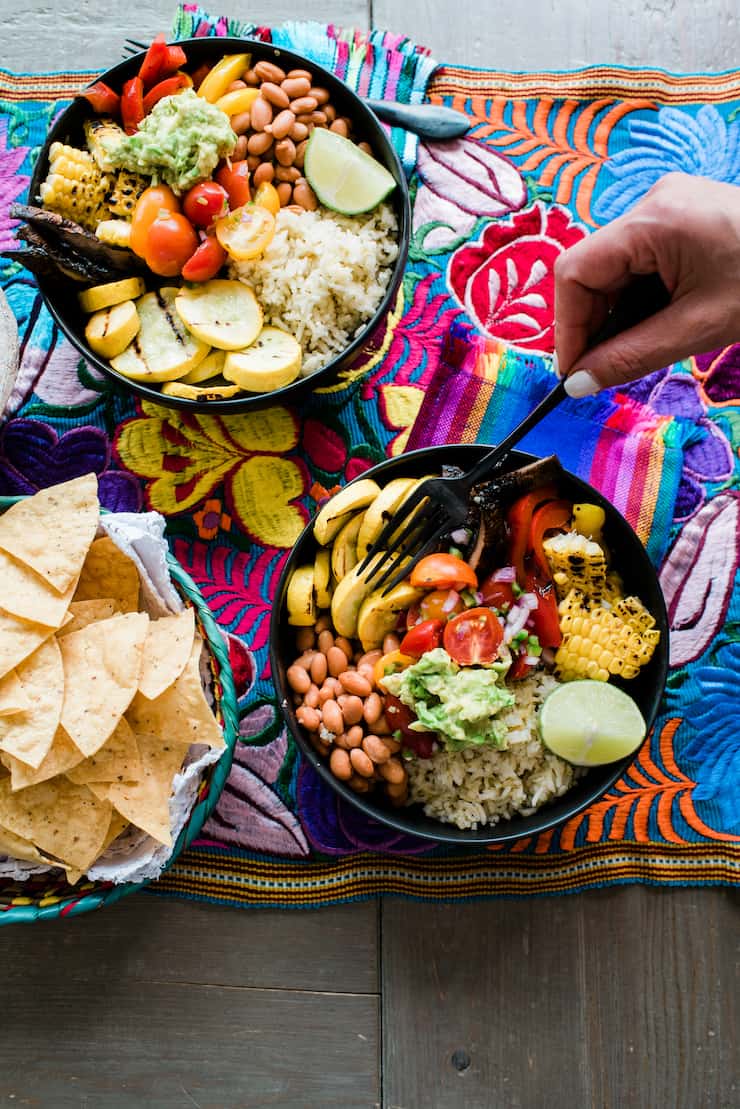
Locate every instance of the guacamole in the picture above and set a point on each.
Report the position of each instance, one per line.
(179, 143)
(458, 703)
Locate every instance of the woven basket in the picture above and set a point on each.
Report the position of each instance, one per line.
(46, 897)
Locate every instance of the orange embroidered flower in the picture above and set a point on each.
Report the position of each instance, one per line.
(210, 519)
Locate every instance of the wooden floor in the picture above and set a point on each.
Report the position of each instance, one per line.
(620, 999)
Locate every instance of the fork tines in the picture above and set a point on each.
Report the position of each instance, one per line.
(131, 46)
(412, 529)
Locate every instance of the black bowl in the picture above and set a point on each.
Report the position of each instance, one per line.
(628, 556)
(62, 300)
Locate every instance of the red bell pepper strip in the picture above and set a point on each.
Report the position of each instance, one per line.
(545, 618)
(132, 105)
(155, 61)
(102, 98)
(519, 518)
(555, 515)
(176, 57)
(168, 87)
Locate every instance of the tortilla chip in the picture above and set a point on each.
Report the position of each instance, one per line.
(102, 663)
(83, 613)
(117, 825)
(29, 597)
(167, 648)
(118, 760)
(16, 847)
(28, 735)
(62, 756)
(12, 697)
(108, 572)
(181, 715)
(52, 531)
(18, 639)
(63, 820)
(146, 803)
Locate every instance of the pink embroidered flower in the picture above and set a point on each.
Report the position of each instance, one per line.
(461, 181)
(505, 280)
(12, 183)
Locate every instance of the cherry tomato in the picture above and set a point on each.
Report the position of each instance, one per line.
(473, 637)
(206, 262)
(235, 179)
(440, 604)
(400, 718)
(205, 203)
(132, 105)
(391, 664)
(496, 594)
(152, 201)
(443, 571)
(268, 197)
(422, 638)
(102, 98)
(171, 242)
(168, 87)
(246, 232)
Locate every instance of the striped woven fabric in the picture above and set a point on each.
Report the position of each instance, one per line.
(560, 154)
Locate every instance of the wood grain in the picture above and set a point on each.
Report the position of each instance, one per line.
(564, 34)
(626, 997)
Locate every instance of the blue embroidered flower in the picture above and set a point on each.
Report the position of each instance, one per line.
(705, 145)
(715, 750)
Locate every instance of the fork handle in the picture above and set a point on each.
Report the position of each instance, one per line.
(643, 297)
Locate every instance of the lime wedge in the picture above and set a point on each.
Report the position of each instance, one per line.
(344, 177)
(591, 723)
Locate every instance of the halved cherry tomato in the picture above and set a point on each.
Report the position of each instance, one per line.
(400, 718)
(132, 105)
(171, 242)
(268, 197)
(440, 604)
(168, 87)
(246, 232)
(235, 179)
(391, 664)
(206, 262)
(443, 571)
(497, 594)
(155, 199)
(155, 61)
(205, 203)
(422, 638)
(473, 637)
(102, 98)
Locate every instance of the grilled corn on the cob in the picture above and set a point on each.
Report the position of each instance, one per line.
(117, 232)
(103, 136)
(75, 186)
(577, 563)
(598, 642)
(127, 188)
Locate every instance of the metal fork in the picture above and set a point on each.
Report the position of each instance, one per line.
(428, 121)
(439, 505)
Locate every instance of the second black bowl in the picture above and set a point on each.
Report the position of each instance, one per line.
(61, 300)
(628, 557)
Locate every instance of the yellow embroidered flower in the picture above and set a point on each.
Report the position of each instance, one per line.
(400, 406)
(185, 457)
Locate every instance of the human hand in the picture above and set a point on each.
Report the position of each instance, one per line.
(686, 229)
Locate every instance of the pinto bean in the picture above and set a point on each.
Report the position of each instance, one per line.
(337, 661)
(304, 637)
(352, 710)
(361, 762)
(298, 679)
(354, 683)
(373, 709)
(264, 174)
(322, 623)
(285, 193)
(358, 784)
(354, 736)
(293, 73)
(339, 127)
(285, 152)
(367, 148)
(275, 94)
(251, 78)
(236, 85)
(312, 698)
(331, 716)
(304, 194)
(259, 143)
(305, 659)
(289, 174)
(240, 123)
(293, 87)
(309, 718)
(318, 668)
(298, 132)
(393, 770)
(303, 104)
(267, 71)
(282, 124)
(239, 152)
(391, 642)
(376, 749)
(261, 114)
(320, 94)
(340, 765)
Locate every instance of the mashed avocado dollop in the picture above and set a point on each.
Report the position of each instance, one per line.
(179, 143)
(458, 703)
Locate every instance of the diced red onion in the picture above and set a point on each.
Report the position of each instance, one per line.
(479, 597)
(528, 601)
(452, 598)
(515, 621)
(461, 536)
(532, 660)
(506, 573)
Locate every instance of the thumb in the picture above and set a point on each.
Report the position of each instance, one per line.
(666, 337)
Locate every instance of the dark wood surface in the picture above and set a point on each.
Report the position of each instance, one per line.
(619, 999)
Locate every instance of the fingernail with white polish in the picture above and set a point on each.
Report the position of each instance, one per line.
(581, 384)
(555, 365)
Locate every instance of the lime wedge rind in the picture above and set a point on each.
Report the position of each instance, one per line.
(591, 723)
(345, 178)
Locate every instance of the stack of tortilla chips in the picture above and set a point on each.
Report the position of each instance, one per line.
(99, 704)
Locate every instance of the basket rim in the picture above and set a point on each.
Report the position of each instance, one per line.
(76, 904)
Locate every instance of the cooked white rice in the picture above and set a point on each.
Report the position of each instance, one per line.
(323, 276)
(482, 785)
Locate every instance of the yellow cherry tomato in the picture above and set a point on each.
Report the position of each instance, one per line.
(267, 197)
(391, 664)
(246, 232)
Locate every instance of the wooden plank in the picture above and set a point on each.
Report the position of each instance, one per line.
(544, 35)
(482, 1005)
(66, 1043)
(39, 38)
(144, 938)
(620, 997)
